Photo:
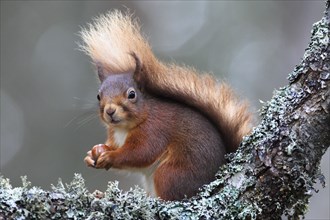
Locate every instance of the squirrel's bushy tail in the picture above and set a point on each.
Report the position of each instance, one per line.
(113, 38)
(110, 39)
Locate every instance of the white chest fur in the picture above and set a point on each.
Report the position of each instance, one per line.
(120, 136)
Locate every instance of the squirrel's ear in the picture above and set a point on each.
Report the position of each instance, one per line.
(138, 64)
(100, 71)
(138, 71)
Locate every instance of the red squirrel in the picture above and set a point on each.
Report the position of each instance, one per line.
(168, 121)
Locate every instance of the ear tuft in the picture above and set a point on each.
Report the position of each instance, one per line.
(138, 63)
(100, 71)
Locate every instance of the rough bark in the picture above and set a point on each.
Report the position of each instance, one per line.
(271, 174)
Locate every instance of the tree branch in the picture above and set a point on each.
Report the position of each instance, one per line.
(271, 174)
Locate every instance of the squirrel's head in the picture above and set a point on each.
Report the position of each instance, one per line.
(120, 101)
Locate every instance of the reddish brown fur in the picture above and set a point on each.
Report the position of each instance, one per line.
(185, 142)
(215, 100)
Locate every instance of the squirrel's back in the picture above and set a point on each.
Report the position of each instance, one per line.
(114, 42)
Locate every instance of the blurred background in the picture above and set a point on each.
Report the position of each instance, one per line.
(48, 88)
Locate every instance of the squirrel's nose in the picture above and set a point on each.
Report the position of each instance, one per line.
(110, 112)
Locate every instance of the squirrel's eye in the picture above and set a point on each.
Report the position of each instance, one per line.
(131, 94)
(98, 97)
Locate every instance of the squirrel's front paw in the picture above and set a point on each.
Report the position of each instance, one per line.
(104, 161)
(93, 155)
(89, 159)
